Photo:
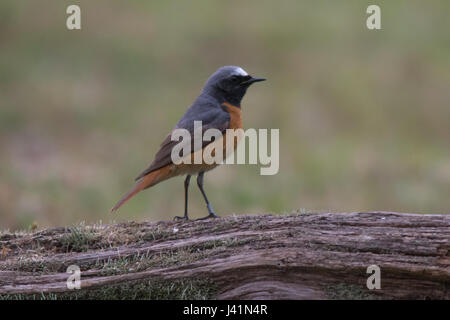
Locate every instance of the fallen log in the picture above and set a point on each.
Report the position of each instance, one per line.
(288, 256)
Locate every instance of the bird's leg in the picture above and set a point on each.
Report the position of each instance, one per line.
(186, 187)
(208, 205)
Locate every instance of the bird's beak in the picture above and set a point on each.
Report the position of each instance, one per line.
(251, 80)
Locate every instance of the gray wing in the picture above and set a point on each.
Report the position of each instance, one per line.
(209, 112)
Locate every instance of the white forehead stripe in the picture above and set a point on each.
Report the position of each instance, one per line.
(239, 71)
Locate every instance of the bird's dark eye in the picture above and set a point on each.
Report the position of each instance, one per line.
(235, 78)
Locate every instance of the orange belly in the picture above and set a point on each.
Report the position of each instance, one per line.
(192, 168)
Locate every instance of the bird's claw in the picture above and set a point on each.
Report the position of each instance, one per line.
(211, 215)
(176, 218)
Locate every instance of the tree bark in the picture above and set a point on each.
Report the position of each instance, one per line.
(291, 256)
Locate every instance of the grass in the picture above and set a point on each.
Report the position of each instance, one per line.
(142, 262)
(343, 291)
(187, 289)
(157, 234)
(79, 239)
(36, 249)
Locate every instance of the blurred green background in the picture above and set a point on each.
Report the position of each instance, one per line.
(364, 116)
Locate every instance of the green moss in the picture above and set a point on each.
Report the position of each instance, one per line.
(259, 225)
(79, 239)
(38, 267)
(142, 262)
(344, 291)
(158, 289)
(19, 296)
(157, 234)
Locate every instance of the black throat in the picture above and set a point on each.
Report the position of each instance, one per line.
(233, 98)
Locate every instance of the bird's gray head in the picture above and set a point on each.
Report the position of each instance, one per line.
(229, 84)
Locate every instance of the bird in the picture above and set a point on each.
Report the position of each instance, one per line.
(218, 106)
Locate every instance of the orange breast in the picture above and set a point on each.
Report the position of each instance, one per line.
(235, 123)
(235, 115)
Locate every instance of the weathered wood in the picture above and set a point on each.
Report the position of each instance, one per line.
(295, 256)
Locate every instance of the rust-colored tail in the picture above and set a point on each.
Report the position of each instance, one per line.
(147, 181)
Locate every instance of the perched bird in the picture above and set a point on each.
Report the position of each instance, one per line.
(219, 107)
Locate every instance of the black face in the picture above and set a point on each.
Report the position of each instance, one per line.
(227, 84)
(238, 84)
(239, 80)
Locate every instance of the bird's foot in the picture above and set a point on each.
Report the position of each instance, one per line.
(185, 217)
(211, 215)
